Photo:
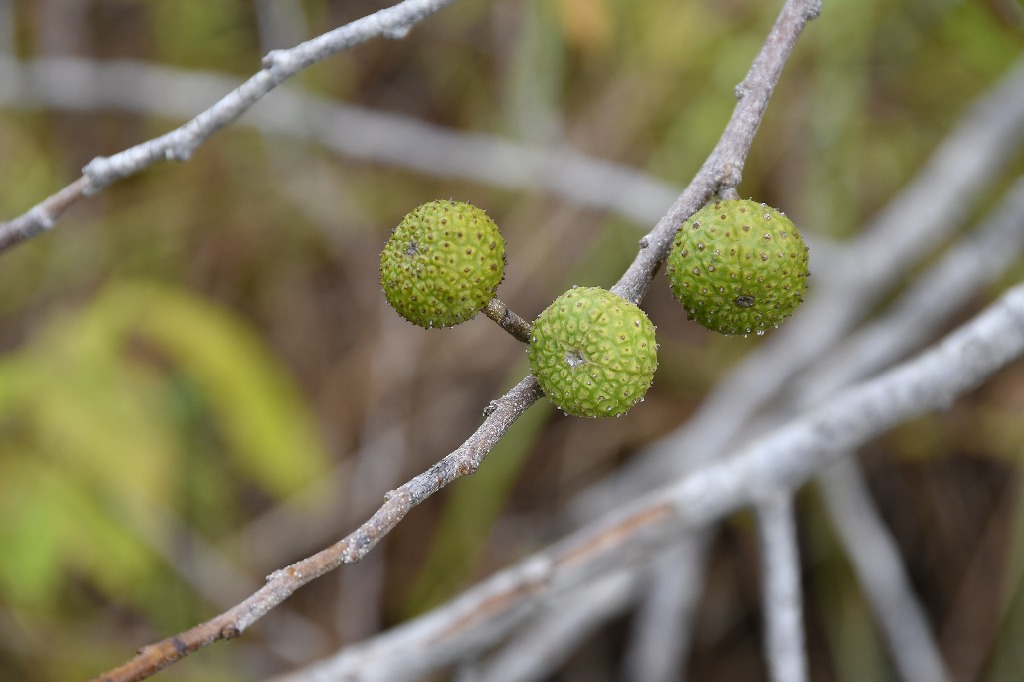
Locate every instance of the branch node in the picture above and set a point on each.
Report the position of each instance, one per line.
(179, 646)
(230, 631)
(95, 170)
(42, 217)
(274, 60)
(468, 467)
(181, 153)
(397, 32)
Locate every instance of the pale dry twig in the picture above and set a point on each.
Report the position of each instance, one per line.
(178, 145)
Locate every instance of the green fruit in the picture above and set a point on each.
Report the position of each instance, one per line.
(593, 353)
(442, 264)
(738, 266)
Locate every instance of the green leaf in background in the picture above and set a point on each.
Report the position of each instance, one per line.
(96, 416)
(256, 405)
(85, 448)
(53, 525)
(92, 455)
(30, 532)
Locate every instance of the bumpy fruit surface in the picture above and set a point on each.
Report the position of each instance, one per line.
(738, 266)
(593, 353)
(442, 264)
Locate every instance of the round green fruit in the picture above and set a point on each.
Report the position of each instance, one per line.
(442, 264)
(593, 353)
(738, 266)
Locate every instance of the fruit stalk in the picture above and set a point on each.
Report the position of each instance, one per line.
(508, 320)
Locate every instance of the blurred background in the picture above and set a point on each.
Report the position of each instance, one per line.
(200, 380)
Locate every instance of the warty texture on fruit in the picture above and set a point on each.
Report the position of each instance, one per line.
(442, 264)
(593, 353)
(738, 267)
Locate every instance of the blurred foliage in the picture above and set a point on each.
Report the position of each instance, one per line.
(103, 415)
(189, 354)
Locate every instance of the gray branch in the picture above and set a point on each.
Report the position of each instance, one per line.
(278, 65)
(879, 568)
(978, 258)
(178, 145)
(783, 597)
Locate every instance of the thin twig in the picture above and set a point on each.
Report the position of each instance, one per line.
(282, 583)
(880, 572)
(508, 320)
(780, 460)
(178, 145)
(976, 259)
(43, 215)
(724, 167)
(783, 597)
